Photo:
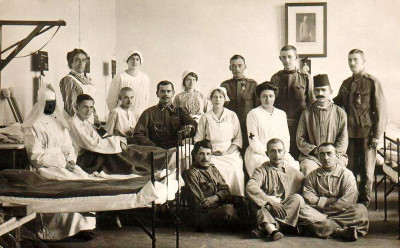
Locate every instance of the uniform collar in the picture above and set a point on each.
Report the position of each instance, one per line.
(289, 71)
(358, 76)
(170, 107)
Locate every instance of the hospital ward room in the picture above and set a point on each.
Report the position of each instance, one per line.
(179, 123)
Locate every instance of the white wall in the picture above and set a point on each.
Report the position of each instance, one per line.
(97, 39)
(175, 35)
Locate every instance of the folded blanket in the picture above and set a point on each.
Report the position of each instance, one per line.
(24, 183)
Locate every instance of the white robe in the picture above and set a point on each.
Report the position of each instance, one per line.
(223, 133)
(85, 137)
(49, 148)
(261, 127)
(121, 122)
(140, 84)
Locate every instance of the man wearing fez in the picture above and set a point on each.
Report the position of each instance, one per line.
(295, 92)
(242, 94)
(321, 122)
(159, 125)
(332, 190)
(207, 192)
(362, 98)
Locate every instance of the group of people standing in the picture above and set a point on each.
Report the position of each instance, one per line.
(288, 130)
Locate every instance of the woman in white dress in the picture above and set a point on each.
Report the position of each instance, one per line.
(76, 83)
(221, 126)
(191, 100)
(52, 155)
(264, 123)
(133, 78)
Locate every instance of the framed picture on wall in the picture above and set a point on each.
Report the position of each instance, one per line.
(306, 28)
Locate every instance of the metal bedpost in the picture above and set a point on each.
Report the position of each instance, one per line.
(178, 203)
(153, 206)
(398, 181)
(384, 179)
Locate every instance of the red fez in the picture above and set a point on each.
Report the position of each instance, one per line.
(321, 80)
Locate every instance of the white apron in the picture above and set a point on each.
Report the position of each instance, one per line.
(86, 89)
(230, 166)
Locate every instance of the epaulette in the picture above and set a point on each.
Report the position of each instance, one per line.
(369, 76)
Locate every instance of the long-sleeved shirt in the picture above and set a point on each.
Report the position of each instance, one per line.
(295, 92)
(121, 122)
(340, 184)
(85, 137)
(140, 84)
(270, 183)
(263, 126)
(362, 97)
(203, 183)
(159, 126)
(48, 144)
(319, 125)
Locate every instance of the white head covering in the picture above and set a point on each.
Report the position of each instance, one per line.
(219, 88)
(131, 52)
(46, 92)
(185, 73)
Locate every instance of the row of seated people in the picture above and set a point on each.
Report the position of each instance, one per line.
(322, 204)
(360, 96)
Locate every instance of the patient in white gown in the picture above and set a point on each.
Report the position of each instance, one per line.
(52, 155)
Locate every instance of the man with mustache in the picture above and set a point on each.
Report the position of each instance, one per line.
(295, 92)
(242, 94)
(207, 192)
(332, 190)
(159, 125)
(322, 122)
(362, 97)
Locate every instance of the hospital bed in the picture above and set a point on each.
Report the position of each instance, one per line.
(389, 159)
(160, 187)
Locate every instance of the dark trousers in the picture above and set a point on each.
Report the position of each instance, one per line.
(362, 161)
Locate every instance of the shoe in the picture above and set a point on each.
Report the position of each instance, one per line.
(258, 233)
(347, 234)
(84, 235)
(276, 235)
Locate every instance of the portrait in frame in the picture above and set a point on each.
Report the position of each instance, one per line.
(306, 28)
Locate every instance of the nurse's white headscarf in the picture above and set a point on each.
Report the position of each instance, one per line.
(223, 89)
(132, 52)
(46, 92)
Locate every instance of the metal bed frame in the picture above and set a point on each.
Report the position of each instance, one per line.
(387, 153)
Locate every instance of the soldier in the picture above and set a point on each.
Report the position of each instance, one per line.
(242, 94)
(362, 98)
(295, 92)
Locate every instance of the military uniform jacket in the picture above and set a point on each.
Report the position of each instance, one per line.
(295, 92)
(362, 98)
(205, 182)
(158, 126)
(241, 102)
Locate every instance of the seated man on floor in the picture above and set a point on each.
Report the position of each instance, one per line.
(321, 122)
(158, 125)
(121, 120)
(332, 190)
(95, 153)
(274, 189)
(207, 191)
